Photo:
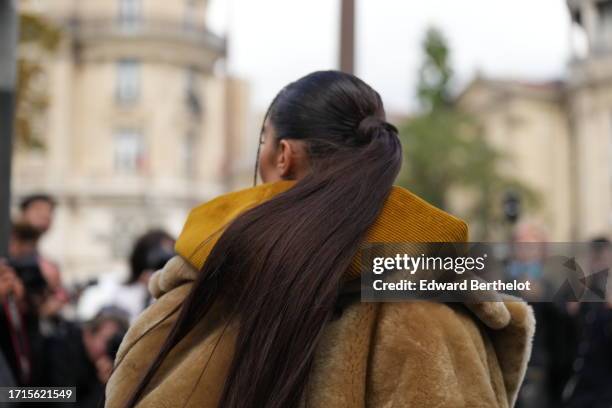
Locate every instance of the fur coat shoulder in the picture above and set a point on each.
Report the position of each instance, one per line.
(399, 354)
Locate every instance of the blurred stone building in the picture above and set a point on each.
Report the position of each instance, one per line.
(143, 123)
(559, 133)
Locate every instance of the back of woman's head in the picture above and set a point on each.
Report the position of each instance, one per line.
(280, 265)
(333, 113)
(326, 107)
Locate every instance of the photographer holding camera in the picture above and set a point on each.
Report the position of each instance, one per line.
(25, 295)
(36, 214)
(82, 356)
(70, 354)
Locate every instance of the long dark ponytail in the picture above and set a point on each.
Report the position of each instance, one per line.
(281, 263)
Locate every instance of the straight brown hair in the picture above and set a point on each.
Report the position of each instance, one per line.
(280, 265)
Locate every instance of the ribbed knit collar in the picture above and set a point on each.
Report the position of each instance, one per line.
(405, 218)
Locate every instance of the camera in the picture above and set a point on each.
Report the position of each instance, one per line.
(28, 270)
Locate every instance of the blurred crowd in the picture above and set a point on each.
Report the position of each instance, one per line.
(52, 335)
(571, 360)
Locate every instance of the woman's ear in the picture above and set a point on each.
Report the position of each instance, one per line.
(292, 160)
(285, 162)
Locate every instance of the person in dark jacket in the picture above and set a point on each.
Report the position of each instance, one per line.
(82, 357)
(590, 384)
(22, 291)
(8, 284)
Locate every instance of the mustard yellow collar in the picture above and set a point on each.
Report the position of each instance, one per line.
(404, 218)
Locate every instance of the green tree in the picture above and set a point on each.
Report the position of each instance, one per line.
(445, 148)
(38, 40)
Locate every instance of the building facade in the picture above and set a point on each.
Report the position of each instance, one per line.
(558, 134)
(142, 124)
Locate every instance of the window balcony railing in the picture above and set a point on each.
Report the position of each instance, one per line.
(97, 28)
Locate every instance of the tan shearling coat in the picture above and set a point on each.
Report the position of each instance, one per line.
(411, 354)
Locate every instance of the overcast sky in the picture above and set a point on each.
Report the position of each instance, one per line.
(273, 42)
